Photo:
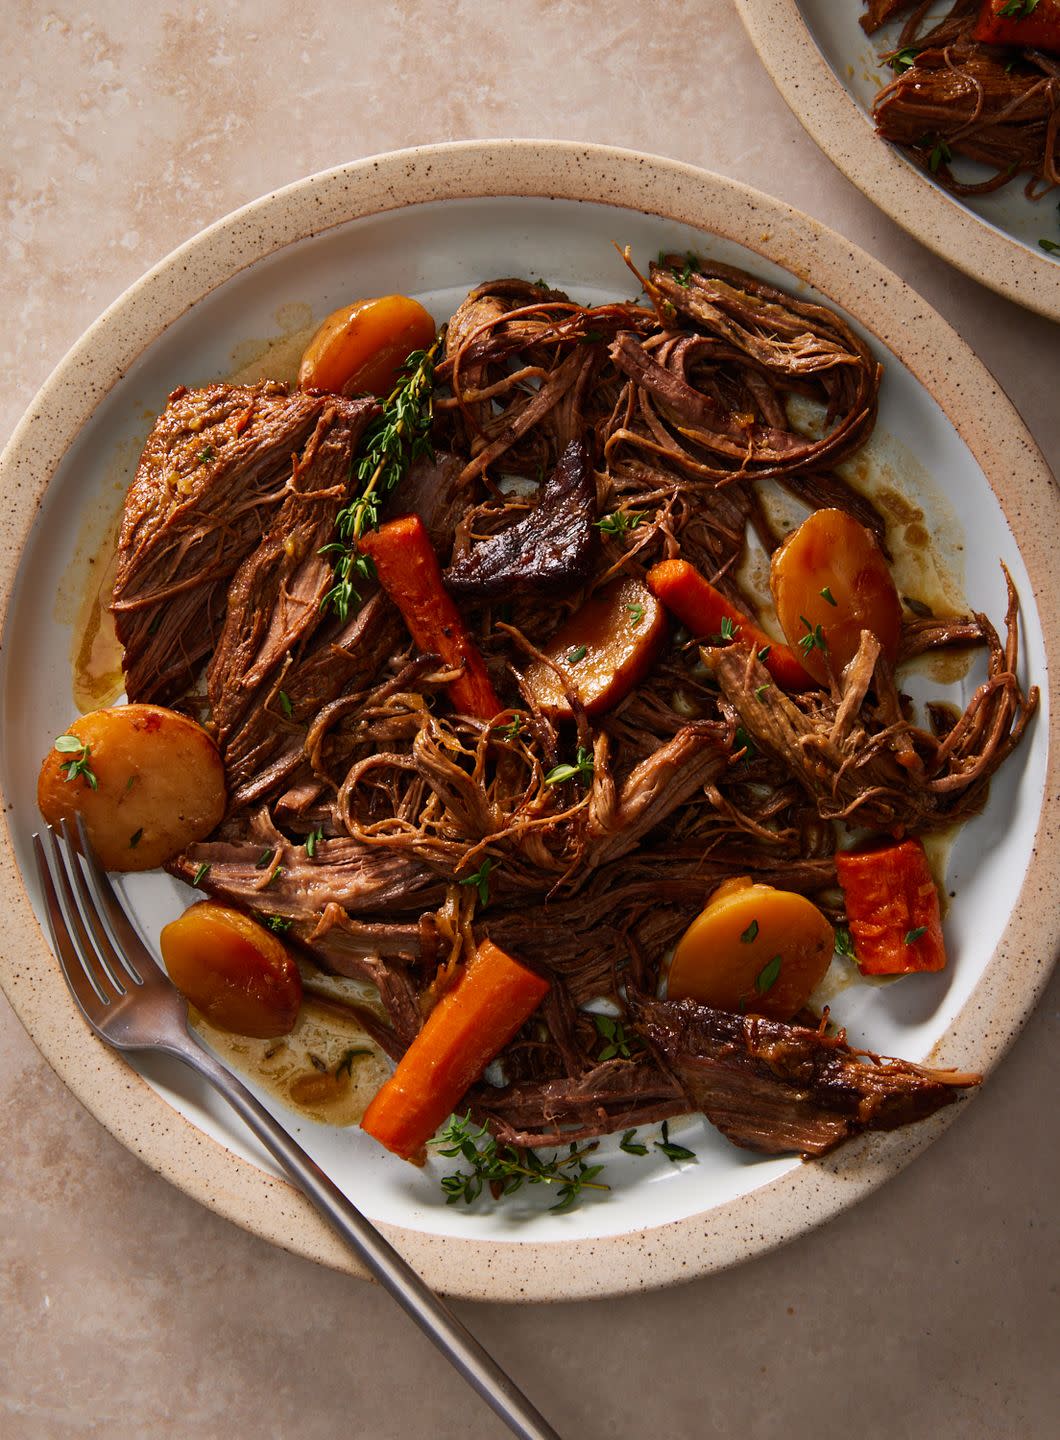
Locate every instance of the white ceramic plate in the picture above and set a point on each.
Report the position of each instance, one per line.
(433, 222)
(828, 71)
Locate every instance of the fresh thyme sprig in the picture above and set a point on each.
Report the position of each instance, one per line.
(619, 522)
(582, 769)
(506, 1169)
(480, 878)
(400, 435)
(78, 764)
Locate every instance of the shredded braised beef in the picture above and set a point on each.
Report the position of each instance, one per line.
(955, 96)
(364, 812)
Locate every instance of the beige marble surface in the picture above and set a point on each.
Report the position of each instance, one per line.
(127, 1310)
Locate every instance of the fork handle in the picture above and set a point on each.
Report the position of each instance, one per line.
(394, 1273)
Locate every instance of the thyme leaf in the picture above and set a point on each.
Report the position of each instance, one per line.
(768, 976)
(78, 764)
(619, 521)
(481, 879)
(582, 769)
(912, 936)
(844, 942)
(673, 1152)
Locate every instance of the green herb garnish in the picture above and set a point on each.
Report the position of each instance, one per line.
(814, 640)
(78, 764)
(636, 613)
(312, 840)
(826, 594)
(618, 1043)
(200, 873)
(481, 879)
(761, 690)
(278, 924)
(749, 936)
(768, 975)
(741, 740)
(264, 860)
(844, 943)
(903, 60)
(1018, 9)
(728, 629)
(511, 730)
(346, 1063)
(619, 521)
(672, 1151)
(285, 703)
(912, 936)
(506, 1169)
(631, 1145)
(578, 653)
(1051, 247)
(582, 769)
(763, 654)
(940, 152)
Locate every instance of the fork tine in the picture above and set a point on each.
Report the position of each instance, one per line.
(127, 942)
(118, 970)
(83, 985)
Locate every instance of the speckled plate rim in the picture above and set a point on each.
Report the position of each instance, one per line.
(537, 1268)
(837, 124)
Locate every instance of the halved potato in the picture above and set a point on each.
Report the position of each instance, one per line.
(146, 781)
(236, 972)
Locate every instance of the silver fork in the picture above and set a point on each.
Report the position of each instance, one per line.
(131, 1004)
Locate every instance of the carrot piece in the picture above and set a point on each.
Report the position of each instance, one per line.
(470, 1024)
(892, 909)
(409, 572)
(701, 608)
(1036, 28)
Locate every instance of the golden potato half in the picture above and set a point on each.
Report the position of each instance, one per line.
(146, 781)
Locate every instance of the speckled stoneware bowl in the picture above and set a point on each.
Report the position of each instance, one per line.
(432, 222)
(828, 71)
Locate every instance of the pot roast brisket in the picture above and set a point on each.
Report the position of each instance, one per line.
(778, 1088)
(275, 598)
(212, 474)
(385, 835)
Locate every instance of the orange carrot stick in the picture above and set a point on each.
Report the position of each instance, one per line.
(469, 1026)
(696, 603)
(1032, 27)
(892, 909)
(409, 572)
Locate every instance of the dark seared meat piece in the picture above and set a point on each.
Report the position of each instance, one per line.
(212, 475)
(548, 549)
(779, 1088)
(275, 600)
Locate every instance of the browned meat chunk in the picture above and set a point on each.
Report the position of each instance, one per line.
(778, 1088)
(549, 548)
(211, 476)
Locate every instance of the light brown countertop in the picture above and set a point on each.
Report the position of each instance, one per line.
(930, 1310)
